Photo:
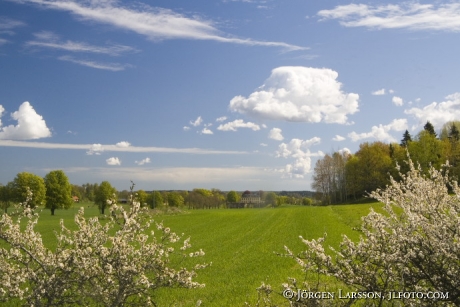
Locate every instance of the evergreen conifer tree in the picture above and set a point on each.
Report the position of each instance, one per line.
(406, 138)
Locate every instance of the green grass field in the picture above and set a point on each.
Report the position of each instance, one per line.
(240, 243)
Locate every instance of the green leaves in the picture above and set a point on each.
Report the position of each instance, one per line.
(58, 191)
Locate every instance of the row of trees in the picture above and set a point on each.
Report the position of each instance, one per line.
(340, 177)
(52, 192)
(55, 192)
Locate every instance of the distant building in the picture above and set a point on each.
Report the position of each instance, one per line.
(248, 200)
(251, 198)
(75, 199)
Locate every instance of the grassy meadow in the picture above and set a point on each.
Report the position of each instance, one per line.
(240, 243)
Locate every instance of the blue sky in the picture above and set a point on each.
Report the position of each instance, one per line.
(228, 94)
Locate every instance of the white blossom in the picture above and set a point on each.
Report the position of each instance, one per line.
(96, 264)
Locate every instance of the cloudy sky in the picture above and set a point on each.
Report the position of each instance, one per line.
(229, 94)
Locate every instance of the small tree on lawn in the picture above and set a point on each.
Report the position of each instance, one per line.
(58, 191)
(105, 196)
(25, 183)
(232, 197)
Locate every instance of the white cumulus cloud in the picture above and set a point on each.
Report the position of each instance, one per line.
(381, 132)
(301, 94)
(379, 92)
(143, 161)
(221, 119)
(338, 138)
(345, 150)
(238, 123)
(275, 134)
(300, 152)
(95, 149)
(123, 144)
(113, 161)
(398, 101)
(30, 125)
(206, 131)
(438, 113)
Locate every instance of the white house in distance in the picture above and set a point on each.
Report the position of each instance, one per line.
(249, 197)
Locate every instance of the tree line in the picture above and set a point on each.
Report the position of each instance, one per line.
(54, 191)
(340, 177)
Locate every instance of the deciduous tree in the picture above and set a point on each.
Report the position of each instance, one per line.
(25, 183)
(155, 199)
(175, 199)
(58, 191)
(270, 199)
(105, 196)
(233, 197)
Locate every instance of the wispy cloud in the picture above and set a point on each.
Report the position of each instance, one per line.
(50, 40)
(97, 65)
(410, 15)
(154, 23)
(109, 148)
(169, 176)
(6, 24)
(196, 122)
(143, 161)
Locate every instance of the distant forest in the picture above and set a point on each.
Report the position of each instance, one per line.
(343, 177)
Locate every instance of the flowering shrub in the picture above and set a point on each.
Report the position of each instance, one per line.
(413, 247)
(118, 263)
